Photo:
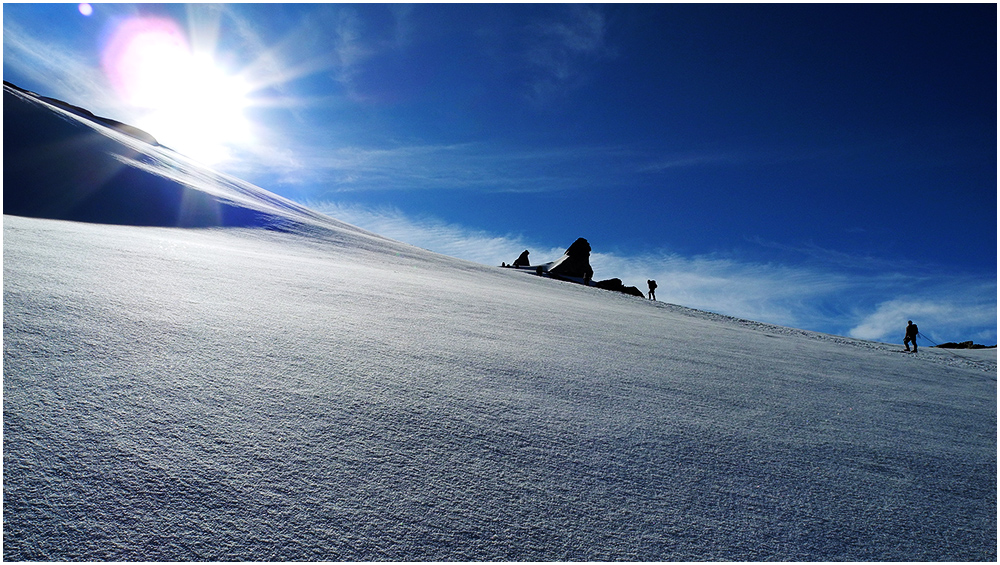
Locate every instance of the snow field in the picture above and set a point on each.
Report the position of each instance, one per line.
(248, 395)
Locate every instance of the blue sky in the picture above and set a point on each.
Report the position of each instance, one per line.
(829, 167)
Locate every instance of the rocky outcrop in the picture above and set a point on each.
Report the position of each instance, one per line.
(964, 345)
(574, 266)
(575, 262)
(617, 285)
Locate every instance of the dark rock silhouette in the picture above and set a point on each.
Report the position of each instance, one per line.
(574, 266)
(575, 262)
(616, 285)
(963, 345)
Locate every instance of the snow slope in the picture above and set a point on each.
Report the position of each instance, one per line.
(61, 162)
(298, 389)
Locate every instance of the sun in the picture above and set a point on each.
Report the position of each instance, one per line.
(187, 101)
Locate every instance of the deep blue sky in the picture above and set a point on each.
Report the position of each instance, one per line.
(831, 167)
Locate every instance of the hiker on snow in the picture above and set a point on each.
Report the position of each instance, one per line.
(652, 289)
(911, 335)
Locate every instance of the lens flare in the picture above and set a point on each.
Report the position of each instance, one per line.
(188, 102)
(142, 57)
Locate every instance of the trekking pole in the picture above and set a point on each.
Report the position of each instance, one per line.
(936, 345)
(927, 338)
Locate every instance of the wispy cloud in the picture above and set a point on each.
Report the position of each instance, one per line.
(962, 311)
(561, 50)
(432, 234)
(848, 261)
(70, 75)
(350, 49)
(818, 297)
(479, 167)
(690, 159)
(763, 292)
(760, 155)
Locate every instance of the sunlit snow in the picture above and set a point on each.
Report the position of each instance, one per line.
(316, 392)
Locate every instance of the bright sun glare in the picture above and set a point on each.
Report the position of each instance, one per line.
(191, 104)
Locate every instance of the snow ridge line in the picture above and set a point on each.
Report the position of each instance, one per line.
(953, 360)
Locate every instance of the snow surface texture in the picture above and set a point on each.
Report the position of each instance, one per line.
(321, 393)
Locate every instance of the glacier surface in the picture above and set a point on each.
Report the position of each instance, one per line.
(293, 388)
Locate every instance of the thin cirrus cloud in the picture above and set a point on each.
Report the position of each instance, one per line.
(70, 75)
(559, 52)
(805, 297)
(461, 166)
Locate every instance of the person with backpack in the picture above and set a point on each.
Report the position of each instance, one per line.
(652, 289)
(911, 335)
